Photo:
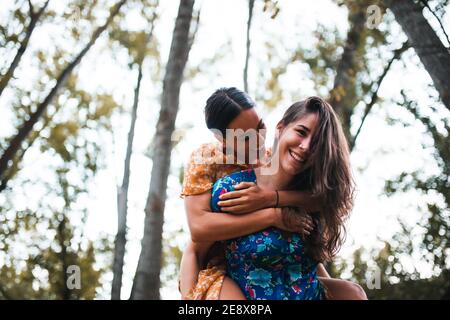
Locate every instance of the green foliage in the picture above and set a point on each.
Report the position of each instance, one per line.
(436, 216)
(395, 281)
(428, 240)
(39, 246)
(40, 239)
(171, 256)
(423, 242)
(322, 58)
(139, 44)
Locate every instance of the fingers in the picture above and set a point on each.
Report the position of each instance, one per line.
(231, 202)
(303, 225)
(238, 191)
(304, 228)
(244, 185)
(308, 224)
(230, 195)
(308, 231)
(308, 228)
(304, 233)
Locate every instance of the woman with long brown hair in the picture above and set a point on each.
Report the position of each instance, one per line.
(202, 271)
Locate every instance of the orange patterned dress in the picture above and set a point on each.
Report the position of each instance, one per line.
(206, 165)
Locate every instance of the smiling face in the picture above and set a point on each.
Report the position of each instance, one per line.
(245, 133)
(294, 142)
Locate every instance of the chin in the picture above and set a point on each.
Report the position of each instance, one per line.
(291, 169)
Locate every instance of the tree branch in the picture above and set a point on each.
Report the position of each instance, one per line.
(425, 3)
(434, 56)
(28, 125)
(9, 174)
(31, 9)
(375, 87)
(194, 32)
(34, 18)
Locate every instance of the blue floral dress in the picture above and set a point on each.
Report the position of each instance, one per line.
(270, 264)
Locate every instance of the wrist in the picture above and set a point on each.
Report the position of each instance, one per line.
(271, 199)
(275, 216)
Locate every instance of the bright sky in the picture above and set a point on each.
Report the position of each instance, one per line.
(382, 151)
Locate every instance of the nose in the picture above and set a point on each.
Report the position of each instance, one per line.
(304, 144)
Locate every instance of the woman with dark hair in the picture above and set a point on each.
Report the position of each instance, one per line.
(229, 108)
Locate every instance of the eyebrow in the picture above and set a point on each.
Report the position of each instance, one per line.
(306, 128)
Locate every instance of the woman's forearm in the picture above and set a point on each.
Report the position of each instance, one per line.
(189, 269)
(299, 198)
(212, 226)
(321, 271)
(251, 197)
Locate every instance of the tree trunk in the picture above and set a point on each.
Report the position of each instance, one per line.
(122, 200)
(146, 282)
(34, 18)
(431, 51)
(343, 96)
(251, 4)
(65, 291)
(122, 192)
(28, 125)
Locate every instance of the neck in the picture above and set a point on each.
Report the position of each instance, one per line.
(277, 179)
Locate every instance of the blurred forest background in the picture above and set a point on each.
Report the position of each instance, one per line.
(101, 102)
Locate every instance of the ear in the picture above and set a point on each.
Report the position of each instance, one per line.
(279, 129)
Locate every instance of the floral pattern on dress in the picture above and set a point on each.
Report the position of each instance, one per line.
(206, 164)
(270, 264)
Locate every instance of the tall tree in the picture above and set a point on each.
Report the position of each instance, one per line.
(140, 46)
(146, 282)
(251, 4)
(122, 200)
(430, 49)
(28, 125)
(34, 18)
(343, 96)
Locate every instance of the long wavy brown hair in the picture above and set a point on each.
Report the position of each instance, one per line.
(328, 176)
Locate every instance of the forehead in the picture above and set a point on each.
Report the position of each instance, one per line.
(308, 118)
(247, 119)
(308, 121)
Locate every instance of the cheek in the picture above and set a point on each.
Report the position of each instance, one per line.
(291, 140)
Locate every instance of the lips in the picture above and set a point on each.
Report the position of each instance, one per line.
(297, 157)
